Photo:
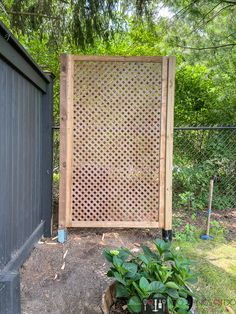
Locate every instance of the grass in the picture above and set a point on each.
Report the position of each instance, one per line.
(215, 264)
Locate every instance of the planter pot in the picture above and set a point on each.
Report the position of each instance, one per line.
(108, 299)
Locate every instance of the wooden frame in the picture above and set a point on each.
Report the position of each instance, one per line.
(169, 143)
(66, 111)
(166, 143)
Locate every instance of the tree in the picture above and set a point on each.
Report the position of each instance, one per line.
(49, 27)
(204, 32)
(77, 22)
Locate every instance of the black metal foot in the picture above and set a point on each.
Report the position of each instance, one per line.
(167, 235)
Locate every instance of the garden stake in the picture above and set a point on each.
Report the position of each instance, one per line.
(207, 236)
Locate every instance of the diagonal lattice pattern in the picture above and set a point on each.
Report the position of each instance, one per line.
(116, 137)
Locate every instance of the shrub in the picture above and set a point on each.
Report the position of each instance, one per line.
(151, 274)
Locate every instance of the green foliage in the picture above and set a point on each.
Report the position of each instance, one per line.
(205, 85)
(78, 23)
(208, 24)
(177, 222)
(217, 229)
(152, 273)
(199, 155)
(188, 234)
(56, 177)
(196, 101)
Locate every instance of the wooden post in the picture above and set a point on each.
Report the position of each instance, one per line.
(162, 152)
(169, 143)
(47, 156)
(209, 206)
(66, 110)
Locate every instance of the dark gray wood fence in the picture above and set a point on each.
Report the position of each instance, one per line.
(25, 163)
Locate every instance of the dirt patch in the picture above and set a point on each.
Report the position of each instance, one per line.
(119, 307)
(76, 287)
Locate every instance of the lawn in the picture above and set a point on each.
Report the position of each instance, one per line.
(215, 263)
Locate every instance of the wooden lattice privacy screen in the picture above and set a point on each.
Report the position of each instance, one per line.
(116, 141)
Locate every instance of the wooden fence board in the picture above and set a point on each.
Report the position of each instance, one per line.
(169, 143)
(66, 135)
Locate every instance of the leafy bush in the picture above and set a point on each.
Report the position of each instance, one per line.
(199, 155)
(217, 229)
(196, 100)
(152, 273)
(188, 234)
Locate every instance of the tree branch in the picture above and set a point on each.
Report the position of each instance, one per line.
(184, 9)
(231, 2)
(204, 48)
(31, 14)
(202, 23)
(218, 12)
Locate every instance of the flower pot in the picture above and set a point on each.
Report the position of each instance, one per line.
(108, 299)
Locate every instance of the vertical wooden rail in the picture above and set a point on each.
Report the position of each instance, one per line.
(163, 143)
(66, 110)
(169, 143)
(47, 156)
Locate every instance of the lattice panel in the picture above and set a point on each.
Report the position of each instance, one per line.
(116, 141)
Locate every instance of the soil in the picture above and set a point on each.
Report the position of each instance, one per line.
(74, 284)
(70, 278)
(119, 307)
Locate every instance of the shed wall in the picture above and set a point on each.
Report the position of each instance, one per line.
(20, 155)
(25, 163)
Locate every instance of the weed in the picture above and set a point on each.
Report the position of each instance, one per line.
(188, 234)
(217, 229)
(177, 222)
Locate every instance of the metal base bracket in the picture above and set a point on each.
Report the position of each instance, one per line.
(62, 235)
(167, 235)
(206, 237)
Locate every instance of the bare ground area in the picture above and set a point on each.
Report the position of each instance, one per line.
(77, 289)
(74, 284)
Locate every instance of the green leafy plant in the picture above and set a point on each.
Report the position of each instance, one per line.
(188, 234)
(160, 272)
(199, 155)
(194, 216)
(217, 229)
(177, 222)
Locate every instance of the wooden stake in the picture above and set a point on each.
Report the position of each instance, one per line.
(209, 206)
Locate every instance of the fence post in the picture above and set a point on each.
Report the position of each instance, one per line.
(167, 230)
(47, 156)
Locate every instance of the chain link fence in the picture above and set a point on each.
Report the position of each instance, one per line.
(199, 154)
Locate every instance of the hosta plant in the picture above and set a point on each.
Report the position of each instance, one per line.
(152, 273)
